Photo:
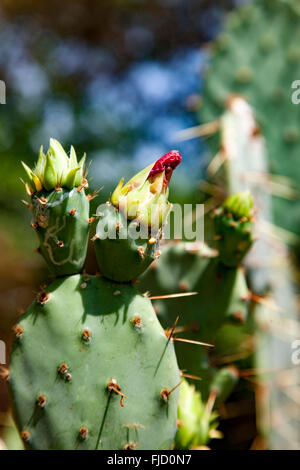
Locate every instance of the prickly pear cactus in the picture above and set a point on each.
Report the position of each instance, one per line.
(275, 317)
(91, 368)
(257, 55)
(130, 225)
(60, 209)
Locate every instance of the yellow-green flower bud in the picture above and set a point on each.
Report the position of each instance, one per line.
(55, 169)
(145, 196)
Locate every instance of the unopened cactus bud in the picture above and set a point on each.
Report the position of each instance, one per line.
(55, 169)
(234, 228)
(130, 225)
(240, 205)
(145, 196)
(60, 208)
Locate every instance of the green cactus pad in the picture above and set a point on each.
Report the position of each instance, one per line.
(236, 341)
(61, 221)
(81, 344)
(121, 257)
(224, 382)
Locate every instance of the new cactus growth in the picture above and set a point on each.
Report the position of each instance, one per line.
(234, 228)
(130, 224)
(60, 208)
(196, 423)
(197, 419)
(55, 169)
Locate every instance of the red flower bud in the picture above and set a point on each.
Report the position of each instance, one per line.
(167, 163)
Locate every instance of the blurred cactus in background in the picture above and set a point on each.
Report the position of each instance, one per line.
(257, 55)
(241, 164)
(220, 307)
